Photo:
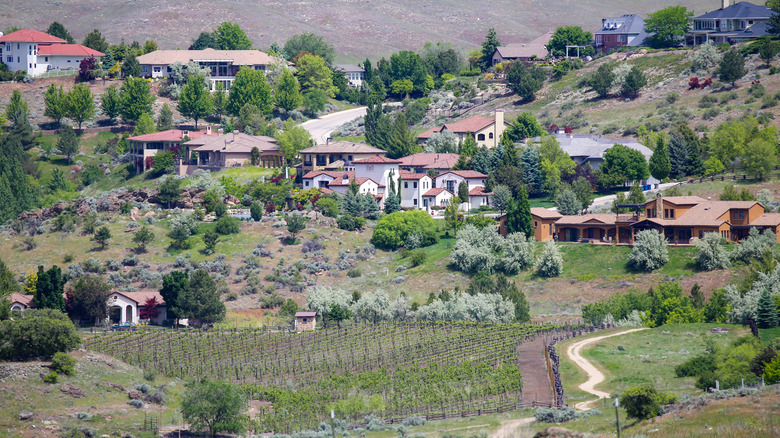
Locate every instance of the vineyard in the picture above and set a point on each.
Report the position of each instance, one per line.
(388, 370)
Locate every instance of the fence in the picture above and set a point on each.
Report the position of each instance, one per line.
(117, 129)
(58, 73)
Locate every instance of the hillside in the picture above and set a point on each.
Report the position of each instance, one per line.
(357, 28)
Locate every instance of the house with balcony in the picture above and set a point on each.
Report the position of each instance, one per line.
(679, 218)
(224, 64)
(354, 74)
(336, 155)
(731, 23)
(143, 148)
(486, 130)
(616, 32)
(37, 52)
(223, 151)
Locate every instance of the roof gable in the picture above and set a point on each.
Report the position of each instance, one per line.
(30, 36)
(738, 10)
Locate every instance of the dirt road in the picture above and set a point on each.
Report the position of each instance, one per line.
(513, 428)
(594, 375)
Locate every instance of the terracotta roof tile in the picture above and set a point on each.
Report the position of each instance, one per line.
(479, 191)
(467, 174)
(436, 191)
(237, 57)
(428, 159)
(170, 135)
(597, 218)
(31, 36)
(343, 147)
(767, 220)
(22, 299)
(545, 213)
(141, 296)
(377, 160)
(331, 173)
(409, 175)
(67, 49)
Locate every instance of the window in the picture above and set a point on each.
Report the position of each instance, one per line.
(306, 183)
(406, 184)
(46, 59)
(349, 157)
(535, 224)
(10, 59)
(8, 46)
(701, 234)
(739, 215)
(481, 137)
(415, 201)
(490, 135)
(414, 184)
(651, 213)
(668, 213)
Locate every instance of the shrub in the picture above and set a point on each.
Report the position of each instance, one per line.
(650, 251)
(711, 255)
(220, 209)
(414, 420)
(418, 258)
(696, 366)
(518, 253)
(328, 207)
(351, 223)
(47, 331)
(772, 372)
(227, 225)
(391, 231)
(354, 273)
(256, 211)
(550, 263)
(754, 246)
(138, 404)
(644, 401)
(312, 246)
(63, 364)
(130, 260)
(555, 415)
(150, 374)
(51, 377)
(705, 58)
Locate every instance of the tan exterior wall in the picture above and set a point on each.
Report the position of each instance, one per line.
(754, 212)
(543, 229)
(309, 325)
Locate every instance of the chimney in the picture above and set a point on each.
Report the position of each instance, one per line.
(185, 134)
(345, 179)
(499, 125)
(208, 129)
(724, 4)
(659, 206)
(328, 140)
(220, 131)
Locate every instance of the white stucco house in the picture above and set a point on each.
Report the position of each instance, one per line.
(411, 189)
(20, 301)
(436, 197)
(354, 74)
(381, 169)
(37, 52)
(486, 130)
(452, 179)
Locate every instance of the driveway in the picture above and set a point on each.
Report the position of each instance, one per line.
(321, 128)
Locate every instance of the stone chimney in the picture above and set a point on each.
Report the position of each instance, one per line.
(220, 131)
(659, 206)
(724, 4)
(208, 129)
(499, 125)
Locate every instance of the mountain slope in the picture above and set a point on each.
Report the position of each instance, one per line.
(357, 28)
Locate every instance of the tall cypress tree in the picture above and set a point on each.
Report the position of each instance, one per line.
(767, 311)
(678, 155)
(524, 211)
(530, 161)
(16, 193)
(49, 289)
(659, 161)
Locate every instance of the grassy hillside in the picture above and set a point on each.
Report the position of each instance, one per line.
(356, 29)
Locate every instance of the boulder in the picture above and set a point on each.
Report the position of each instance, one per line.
(26, 415)
(135, 213)
(135, 395)
(71, 390)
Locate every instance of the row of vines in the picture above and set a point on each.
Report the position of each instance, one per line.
(388, 370)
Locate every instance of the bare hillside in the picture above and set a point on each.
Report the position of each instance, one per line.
(358, 28)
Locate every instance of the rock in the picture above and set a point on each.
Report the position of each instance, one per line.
(135, 213)
(400, 268)
(398, 279)
(71, 390)
(26, 415)
(135, 395)
(559, 432)
(115, 386)
(232, 200)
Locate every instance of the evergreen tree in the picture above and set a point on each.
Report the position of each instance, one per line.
(488, 48)
(165, 119)
(767, 50)
(136, 99)
(567, 202)
(732, 67)
(94, 40)
(530, 161)
(525, 81)
(49, 289)
(142, 237)
(219, 99)
(602, 79)
(56, 103)
(288, 92)
(510, 151)
(170, 191)
(195, 101)
(694, 163)
(250, 87)
(57, 29)
(635, 194)
(175, 287)
(518, 214)
(204, 41)
(16, 192)
(583, 189)
(81, 104)
(68, 143)
(660, 167)
(131, 67)
(773, 25)
(469, 146)
(697, 296)
(201, 300)
(392, 203)
(102, 236)
(678, 155)
(17, 111)
(145, 125)
(108, 62)
(633, 82)
(766, 316)
(110, 102)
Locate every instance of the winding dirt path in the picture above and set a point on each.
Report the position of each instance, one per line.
(594, 375)
(509, 429)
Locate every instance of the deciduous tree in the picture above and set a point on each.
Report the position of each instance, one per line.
(110, 102)
(195, 101)
(313, 73)
(94, 40)
(81, 104)
(56, 103)
(250, 87)
(215, 406)
(201, 300)
(668, 26)
(288, 92)
(68, 143)
(732, 67)
(311, 43)
(136, 99)
(90, 298)
(570, 36)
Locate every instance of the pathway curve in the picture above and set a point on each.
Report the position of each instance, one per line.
(509, 428)
(594, 375)
(321, 128)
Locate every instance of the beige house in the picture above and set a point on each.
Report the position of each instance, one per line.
(228, 150)
(305, 321)
(340, 153)
(532, 50)
(486, 130)
(143, 148)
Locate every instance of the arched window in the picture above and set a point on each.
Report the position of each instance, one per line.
(481, 137)
(490, 136)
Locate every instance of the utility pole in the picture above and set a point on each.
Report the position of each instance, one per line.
(617, 416)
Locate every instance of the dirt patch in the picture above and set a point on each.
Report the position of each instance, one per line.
(533, 365)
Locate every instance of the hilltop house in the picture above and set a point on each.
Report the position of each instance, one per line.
(486, 130)
(616, 32)
(37, 52)
(353, 73)
(427, 161)
(678, 218)
(227, 150)
(143, 148)
(730, 24)
(224, 64)
(335, 155)
(532, 50)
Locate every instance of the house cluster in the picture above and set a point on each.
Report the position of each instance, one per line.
(38, 53)
(207, 149)
(123, 306)
(679, 218)
(485, 130)
(422, 181)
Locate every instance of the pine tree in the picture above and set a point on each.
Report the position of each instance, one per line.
(218, 97)
(766, 316)
(518, 213)
(68, 143)
(102, 236)
(634, 82)
(56, 103)
(16, 192)
(392, 203)
(530, 161)
(94, 40)
(195, 101)
(49, 289)
(469, 146)
(510, 157)
(659, 161)
(57, 29)
(165, 119)
(108, 62)
(732, 67)
(678, 155)
(17, 109)
(694, 164)
(131, 67)
(488, 48)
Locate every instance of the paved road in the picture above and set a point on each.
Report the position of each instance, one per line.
(594, 375)
(321, 128)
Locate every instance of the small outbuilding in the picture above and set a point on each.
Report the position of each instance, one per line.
(305, 321)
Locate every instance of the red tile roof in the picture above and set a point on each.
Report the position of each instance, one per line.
(409, 175)
(470, 124)
(331, 173)
(22, 299)
(767, 220)
(170, 135)
(436, 191)
(142, 296)
(430, 160)
(428, 133)
(325, 190)
(376, 160)
(31, 36)
(479, 191)
(68, 49)
(466, 174)
(360, 181)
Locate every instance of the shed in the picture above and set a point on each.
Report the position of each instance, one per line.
(305, 321)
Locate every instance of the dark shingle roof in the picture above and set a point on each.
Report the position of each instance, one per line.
(738, 10)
